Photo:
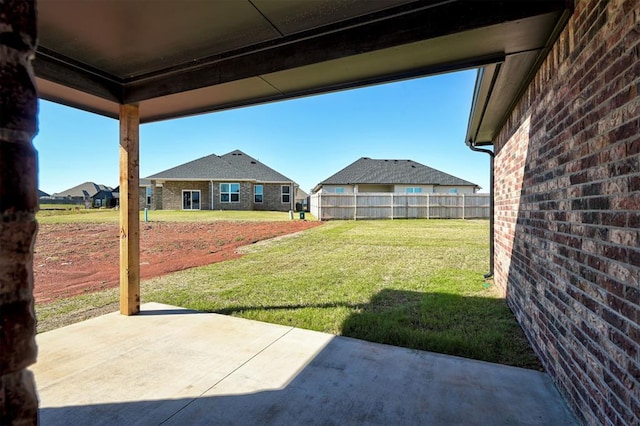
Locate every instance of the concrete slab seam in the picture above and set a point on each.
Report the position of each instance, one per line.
(227, 375)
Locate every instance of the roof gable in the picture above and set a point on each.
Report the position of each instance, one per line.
(209, 167)
(235, 165)
(384, 172)
(86, 189)
(252, 168)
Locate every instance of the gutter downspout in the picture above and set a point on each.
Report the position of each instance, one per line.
(473, 147)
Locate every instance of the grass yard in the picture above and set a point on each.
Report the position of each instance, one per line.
(412, 283)
(59, 207)
(112, 215)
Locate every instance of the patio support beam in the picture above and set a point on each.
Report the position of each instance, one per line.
(18, 206)
(407, 24)
(129, 210)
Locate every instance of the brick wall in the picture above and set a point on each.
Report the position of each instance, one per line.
(567, 221)
(18, 205)
(169, 196)
(142, 198)
(246, 197)
(172, 194)
(272, 199)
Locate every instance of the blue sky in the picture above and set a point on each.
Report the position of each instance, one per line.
(306, 139)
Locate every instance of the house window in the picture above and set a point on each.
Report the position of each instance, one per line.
(190, 199)
(339, 190)
(148, 195)
(453, 191)
(229, 192)
(258, 191)
(413, 190)
(285, 191)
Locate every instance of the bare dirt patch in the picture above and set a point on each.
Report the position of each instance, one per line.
(73, 259)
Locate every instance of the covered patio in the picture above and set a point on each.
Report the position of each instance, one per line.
(169, 365)
(142, 61)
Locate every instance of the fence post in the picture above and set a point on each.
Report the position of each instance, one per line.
(355, 206)
(463, 206)
(392, 207)
(428, 206)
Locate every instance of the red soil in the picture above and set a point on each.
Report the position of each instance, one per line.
(71, 259)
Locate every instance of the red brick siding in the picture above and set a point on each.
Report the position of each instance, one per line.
(567, 220)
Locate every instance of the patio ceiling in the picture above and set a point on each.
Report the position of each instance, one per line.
(177, 58)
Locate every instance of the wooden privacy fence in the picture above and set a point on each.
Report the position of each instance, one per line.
(383, 205)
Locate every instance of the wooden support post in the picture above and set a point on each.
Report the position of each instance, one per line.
(129, 210)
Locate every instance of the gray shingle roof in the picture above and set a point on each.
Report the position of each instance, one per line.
(234, 165)
(87, 189)
(385, 172)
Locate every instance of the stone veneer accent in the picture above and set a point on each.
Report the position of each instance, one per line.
(567, 220)
(18, 206)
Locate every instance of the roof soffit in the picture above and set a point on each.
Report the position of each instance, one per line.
(176, 58)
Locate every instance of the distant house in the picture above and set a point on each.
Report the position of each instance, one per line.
(43, 197)
(301, 199)
(233, 181)
(393, 176)
(88, 194)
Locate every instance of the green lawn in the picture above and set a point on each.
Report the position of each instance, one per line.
(112, 215)
(412, 283)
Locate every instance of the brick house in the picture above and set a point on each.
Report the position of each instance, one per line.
(233, 181)
(567, 155)
(88, 194)
(567, 208)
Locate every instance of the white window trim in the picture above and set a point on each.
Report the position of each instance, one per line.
(229, 183)
(282, 194)
(338, 190)
(199, 199)
(254, 194)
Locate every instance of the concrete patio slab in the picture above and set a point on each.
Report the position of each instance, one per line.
(174, 366)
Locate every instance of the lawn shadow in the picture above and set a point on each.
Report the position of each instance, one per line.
(474, 327)
(238, 309)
